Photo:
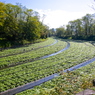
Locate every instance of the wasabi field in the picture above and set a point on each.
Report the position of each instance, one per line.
(26, 64)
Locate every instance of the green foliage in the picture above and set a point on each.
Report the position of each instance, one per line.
(2, 13)
(80, 29)
(78, 52)
(26, 56)
(18, 23)
(60, 32)
(69, 83)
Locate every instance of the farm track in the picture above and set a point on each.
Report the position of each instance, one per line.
(24, 51)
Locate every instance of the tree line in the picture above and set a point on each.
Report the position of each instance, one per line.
(19, 24)
(80, 29)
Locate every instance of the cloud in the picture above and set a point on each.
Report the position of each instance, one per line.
(57, 18)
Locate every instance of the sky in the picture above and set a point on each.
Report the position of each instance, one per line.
(57, 12)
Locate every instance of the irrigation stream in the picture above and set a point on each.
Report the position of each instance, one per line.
(68, 45)
(31, 49)
(40, 81)
(31, 60)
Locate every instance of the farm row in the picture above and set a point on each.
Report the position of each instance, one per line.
(30, 56)
(27, 48)
(69, 83)
(31, 71)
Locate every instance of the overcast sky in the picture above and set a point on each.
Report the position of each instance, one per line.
(57, 12)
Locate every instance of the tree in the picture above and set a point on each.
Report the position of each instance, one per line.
(87, 24)
(2, 13)
(60, 32)
(17, 23)
(81, 28)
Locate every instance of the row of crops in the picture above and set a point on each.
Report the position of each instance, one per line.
(17, 69)
(67, 83)
(26, 48)
(31, 71)
(30, 56)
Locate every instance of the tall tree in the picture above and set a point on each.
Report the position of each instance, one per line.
(17, 23)
(81, 28)
(60, 32)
